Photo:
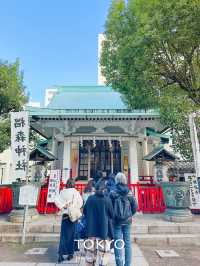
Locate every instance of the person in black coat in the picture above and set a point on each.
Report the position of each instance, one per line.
(97, 210)
(107, 185)
(98, 176)
(108, 182)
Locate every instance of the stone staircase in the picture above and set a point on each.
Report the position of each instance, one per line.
(146, 230)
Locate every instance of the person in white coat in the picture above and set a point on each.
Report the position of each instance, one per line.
(67, 235)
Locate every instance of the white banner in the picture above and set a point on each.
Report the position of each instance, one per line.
(54, 185)
(19, 144)
(194, 190)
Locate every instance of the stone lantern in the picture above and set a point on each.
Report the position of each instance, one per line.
(176, 194)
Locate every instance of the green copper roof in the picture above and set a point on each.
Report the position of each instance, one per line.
(88, 101)
(41, 154)
(86, 97)
(152, 132)
(51, 112)
(160, 153)
(82, 88)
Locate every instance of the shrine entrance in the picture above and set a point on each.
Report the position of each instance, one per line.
(105, 156)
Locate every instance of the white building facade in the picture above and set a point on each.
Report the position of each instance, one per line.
(91, 130)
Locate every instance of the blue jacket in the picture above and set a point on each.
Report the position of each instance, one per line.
(123, 190)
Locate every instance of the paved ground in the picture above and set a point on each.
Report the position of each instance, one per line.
(188, 256)
(14, 255)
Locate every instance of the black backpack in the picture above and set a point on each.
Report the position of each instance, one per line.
(122, 208)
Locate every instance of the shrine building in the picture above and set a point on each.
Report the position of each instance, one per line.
(89, 128)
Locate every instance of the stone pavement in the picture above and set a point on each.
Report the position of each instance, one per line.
(189, 256)
(14, 255)
(149, 232)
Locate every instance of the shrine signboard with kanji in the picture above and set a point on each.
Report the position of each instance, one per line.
(54, 185)
(194, 190)
(19, 144)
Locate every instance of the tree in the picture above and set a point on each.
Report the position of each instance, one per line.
(174, 113)
(5, 134)
(152, 56)
(12, 98)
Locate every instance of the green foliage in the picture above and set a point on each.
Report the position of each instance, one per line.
(152, 56)
(174, 114)
(5, 134)
(120, 60)
(12, 98)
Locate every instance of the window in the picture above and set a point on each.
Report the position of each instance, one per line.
(100, 158)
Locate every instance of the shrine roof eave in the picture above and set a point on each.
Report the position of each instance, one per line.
(41, 154)
(160, 152)
(84, 113)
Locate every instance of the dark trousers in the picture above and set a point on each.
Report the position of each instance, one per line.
(67, 236)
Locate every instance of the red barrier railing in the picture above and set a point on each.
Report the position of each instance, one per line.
(150, 198)
(80, 187)
(49, 208)
(5, 199)
(43, 207)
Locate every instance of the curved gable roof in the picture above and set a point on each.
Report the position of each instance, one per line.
(86, 97)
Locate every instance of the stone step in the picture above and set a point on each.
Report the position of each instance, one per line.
(141, 239)
(30, 238)
(136, 229)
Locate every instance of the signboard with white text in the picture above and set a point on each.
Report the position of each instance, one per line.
(194, 190)
(28, 195)
(19, 144)
(54, 185)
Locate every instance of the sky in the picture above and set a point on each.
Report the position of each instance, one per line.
(56, 41)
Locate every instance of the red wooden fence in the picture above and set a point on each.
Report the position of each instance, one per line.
(150, 198)
(6, 198)
(80, 187)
